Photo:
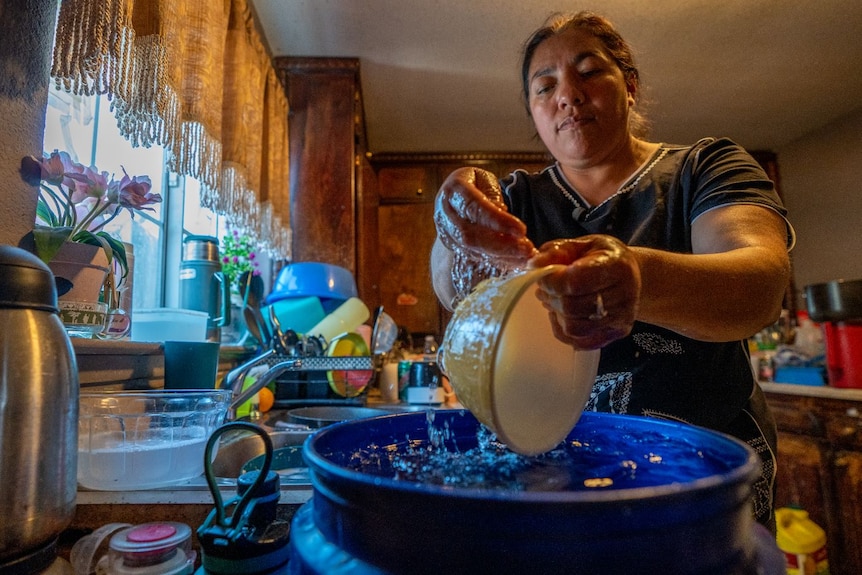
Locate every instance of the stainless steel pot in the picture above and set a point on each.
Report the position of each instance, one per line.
(837, 300)
(38, 410)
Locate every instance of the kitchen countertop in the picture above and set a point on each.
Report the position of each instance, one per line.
(196, 491)
(824, 391)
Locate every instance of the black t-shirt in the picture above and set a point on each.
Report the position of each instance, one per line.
(654, 371)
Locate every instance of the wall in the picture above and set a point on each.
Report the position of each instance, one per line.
(26, 37)
(820, 178)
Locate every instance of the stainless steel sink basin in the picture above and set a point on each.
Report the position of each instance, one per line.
(236, 450)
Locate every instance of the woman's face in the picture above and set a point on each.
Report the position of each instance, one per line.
(578, 99)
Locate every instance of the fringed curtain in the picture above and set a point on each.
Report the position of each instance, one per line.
(192, 76)
(275, 164)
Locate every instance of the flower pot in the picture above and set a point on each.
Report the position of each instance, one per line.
(80, 271)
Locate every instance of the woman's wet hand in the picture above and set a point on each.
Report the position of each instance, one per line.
(594, 299)
(470, 215)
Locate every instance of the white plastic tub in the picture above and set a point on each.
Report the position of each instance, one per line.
(169, 324)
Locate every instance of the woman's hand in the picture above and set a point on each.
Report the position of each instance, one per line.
(470, 216)
(594, 300)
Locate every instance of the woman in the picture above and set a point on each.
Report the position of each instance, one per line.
(674, 255)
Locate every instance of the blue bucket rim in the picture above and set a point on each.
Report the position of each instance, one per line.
(745, 472)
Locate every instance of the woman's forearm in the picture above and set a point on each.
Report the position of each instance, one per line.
(712, 297)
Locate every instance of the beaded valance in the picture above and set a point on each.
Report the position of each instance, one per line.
(192, 76)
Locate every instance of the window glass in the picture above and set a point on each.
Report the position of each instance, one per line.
(85, 128)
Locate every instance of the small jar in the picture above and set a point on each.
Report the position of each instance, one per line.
(161, 548)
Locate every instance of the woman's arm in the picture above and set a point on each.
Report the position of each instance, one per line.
(728, 289)
(472, 220)
(733, 284)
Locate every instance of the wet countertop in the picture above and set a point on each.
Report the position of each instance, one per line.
(298, 490)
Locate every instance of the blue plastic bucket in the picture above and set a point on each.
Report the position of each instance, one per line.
(695, 519)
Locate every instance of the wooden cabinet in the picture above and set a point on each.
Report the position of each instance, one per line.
(820, 466)
(407, 185)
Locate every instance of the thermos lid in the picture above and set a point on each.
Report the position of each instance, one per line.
(200, 248)
(25, 281)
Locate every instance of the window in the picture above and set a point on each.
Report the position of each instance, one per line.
(85, 127)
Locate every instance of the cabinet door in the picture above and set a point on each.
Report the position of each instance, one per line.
(406, 235)
(407, 184)
(846, 553)
(802, 477)
(322, 170)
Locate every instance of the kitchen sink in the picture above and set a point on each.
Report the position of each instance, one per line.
(235, 450)
(239, 447)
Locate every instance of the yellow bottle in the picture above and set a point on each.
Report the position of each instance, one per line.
(802, 541)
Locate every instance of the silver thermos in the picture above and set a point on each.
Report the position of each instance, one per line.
(38, 415)
(203, 286)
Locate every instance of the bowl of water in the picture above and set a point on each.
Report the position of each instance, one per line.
(134, 440)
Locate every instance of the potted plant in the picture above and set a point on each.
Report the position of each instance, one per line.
(238, 256)
(239, 264)
(75, 202)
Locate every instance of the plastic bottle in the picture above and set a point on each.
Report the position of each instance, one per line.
(802, 541)
(429, 351)
(809, 337)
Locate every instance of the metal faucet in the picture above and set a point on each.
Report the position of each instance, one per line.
(235, 378)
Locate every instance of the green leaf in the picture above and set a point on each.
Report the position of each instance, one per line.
(119, 251)
(49, 241)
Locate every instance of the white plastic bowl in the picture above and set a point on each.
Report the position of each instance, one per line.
(169, 324)
(132, 440)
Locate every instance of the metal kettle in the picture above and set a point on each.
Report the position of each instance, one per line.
(38, 414)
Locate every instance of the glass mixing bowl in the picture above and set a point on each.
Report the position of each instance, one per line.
(132, 440)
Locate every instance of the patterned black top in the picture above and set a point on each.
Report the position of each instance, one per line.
(654, 371)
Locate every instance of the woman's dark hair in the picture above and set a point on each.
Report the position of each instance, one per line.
(600, 27)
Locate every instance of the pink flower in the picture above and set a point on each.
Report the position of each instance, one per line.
(56, 167)
(88, 183)
(134, 192)
(75, 203)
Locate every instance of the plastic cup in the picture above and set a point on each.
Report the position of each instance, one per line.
(346, 318)
(191, 364)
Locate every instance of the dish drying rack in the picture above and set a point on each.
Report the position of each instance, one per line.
(281, 365)
(290, 353)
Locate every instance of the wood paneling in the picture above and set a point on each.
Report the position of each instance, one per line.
(322, 94)
(820, 470)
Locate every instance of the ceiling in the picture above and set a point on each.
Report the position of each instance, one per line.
(442, 75)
